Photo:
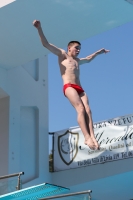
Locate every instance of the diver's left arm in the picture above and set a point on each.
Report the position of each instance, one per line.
(92, 56)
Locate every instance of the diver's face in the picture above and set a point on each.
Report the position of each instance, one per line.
(74, 50)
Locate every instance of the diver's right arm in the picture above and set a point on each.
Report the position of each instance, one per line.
(55, 50)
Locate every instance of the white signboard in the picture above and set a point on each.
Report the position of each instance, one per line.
(115, 137)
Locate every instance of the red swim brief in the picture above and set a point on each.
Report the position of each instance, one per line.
(78, 88)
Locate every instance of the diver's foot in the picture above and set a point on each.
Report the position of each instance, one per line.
(95, 142)
(89, 142)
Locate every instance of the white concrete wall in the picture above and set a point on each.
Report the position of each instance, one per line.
(27, 141)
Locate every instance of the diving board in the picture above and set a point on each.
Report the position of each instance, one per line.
(35, 192)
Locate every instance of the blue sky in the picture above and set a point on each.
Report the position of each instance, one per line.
(107, 80)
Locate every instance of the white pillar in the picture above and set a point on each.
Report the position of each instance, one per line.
(27, 87)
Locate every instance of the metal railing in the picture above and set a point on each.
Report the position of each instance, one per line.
(70, 194)
(18, 187)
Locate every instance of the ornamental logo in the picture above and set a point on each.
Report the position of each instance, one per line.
(68, 146)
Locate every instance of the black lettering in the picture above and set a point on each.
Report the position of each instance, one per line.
(104, 125)
(124, 137)
(100, 136)
(96, 135)
(88, 161)
(84, 162)
(116, 156)
(81, 163)
(124, 154)
(130, 136)
(124, 120)
(102, 142)
(102, 159)
(108, 158)
(114, 122)
(95, 160)
(128, 145)
(100, 125)
(119, 122)
(129, 120)
(107, 140)
(110, 122)
(118, 139)
(130, 153)
(112, 139)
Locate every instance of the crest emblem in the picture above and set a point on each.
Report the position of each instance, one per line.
(68, 146)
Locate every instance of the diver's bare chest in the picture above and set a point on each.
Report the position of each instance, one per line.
(70, 63)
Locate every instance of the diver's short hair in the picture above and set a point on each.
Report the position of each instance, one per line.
(73, 42)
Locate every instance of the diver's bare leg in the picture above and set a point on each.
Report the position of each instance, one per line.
(88, 117)
(76, 101)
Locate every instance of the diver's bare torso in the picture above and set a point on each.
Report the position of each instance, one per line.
(69, 68)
